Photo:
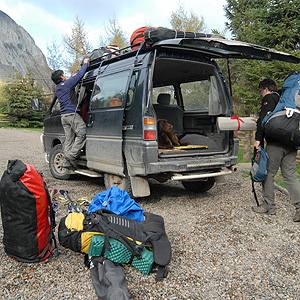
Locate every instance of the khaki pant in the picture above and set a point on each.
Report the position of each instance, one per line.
(75, 132)
(285, 158)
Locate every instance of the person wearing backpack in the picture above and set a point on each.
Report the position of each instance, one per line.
(279, 155)
(72, 122)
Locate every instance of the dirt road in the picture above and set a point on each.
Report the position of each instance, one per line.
(221, 249)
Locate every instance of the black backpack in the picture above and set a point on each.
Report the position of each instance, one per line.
(77, 230)
(27, 215)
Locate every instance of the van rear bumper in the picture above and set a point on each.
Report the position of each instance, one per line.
(190, 165)
(196, 176)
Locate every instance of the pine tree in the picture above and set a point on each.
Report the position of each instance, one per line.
(187, 21)
(115, 34)
(54, 57)
(270, 23)
(18, 95)
(76, 45)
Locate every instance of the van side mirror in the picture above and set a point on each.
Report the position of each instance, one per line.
(35, 104)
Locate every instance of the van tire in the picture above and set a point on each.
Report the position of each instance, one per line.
(123, 183)
(55, 161)
(199, 186)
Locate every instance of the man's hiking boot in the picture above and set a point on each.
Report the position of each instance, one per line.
(73, 163)
(262, 210)
(296, 217)
(68, 164)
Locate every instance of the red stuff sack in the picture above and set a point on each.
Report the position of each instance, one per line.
(27, 214)
(137, 37)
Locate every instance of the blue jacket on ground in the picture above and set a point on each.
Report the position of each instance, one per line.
(119, 202)
(65, 91)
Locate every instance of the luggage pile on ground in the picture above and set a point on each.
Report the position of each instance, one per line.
(114, 231)
(102, 232)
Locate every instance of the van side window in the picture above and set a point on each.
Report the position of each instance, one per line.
(205, 94)
(132, 87)
(196, 95)
(55, 108)
(164, 90)
(110, 91)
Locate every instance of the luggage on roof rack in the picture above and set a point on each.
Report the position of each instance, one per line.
(102, 53)
(152, 35)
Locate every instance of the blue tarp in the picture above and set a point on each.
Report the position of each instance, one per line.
(119, 202)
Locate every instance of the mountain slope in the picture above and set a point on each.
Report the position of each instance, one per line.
(18, 53)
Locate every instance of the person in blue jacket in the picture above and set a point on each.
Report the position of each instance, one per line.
(72, 122)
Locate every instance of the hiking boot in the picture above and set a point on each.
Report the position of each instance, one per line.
(262, 210)
(73, 163)
(68, 164)
(296, 217)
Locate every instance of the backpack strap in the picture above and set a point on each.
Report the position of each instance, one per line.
(254, 193)
(52, 217)
(102, 223)
(161, 273)
(252, 181)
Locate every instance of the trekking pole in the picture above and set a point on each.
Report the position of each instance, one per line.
(72, 206)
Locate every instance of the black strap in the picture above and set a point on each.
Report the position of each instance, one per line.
(254, 193)
(253, 188)
(162, 273)
(138, 52)
(138, 36)
(52, 218)
(103, 224)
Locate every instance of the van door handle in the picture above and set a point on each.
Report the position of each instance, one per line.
(127, 127)
(90, 121)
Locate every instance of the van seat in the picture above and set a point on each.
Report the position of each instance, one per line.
(172, 113)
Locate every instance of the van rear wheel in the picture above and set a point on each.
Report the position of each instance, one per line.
(55, 163)
(123, 183)
(199, 186)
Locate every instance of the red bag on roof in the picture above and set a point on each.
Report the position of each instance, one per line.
(138, 36)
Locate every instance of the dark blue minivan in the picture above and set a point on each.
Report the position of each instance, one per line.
(123, 97)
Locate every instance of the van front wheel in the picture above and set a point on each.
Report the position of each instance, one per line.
(123, 183)
(55, 163)
(199, 186)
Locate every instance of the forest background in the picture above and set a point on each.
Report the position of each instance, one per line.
(270, 23)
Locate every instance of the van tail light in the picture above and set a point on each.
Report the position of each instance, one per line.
(149, 128)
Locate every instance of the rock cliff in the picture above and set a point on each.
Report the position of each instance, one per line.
(18, 53)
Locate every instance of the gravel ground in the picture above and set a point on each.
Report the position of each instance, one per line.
(221, 249)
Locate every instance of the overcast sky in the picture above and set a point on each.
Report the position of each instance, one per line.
(47, 20)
